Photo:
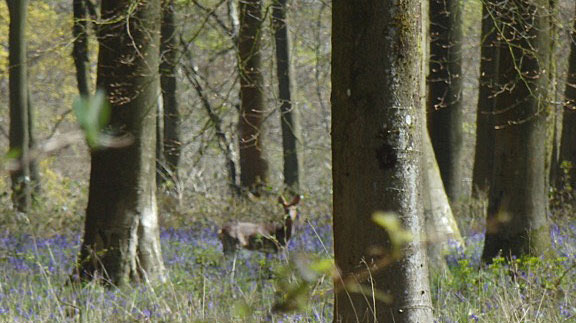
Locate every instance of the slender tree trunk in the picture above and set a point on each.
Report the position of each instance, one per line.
(172, 146)
(484, 156)
(442, 232)
(19, 116)
(377, 149)
(226, 145)
(161, 172)
(288, 112)
(80, 49)
(121, 241)
(233, 17)
(554, 135)
(445, 120)
(518, 201)
(253, 165)
(35, 184)
(567, 173)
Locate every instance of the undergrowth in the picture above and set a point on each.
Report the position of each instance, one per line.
(37, 255)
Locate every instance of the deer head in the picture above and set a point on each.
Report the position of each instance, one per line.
(264, 237)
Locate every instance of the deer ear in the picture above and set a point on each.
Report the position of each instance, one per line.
(281, 200)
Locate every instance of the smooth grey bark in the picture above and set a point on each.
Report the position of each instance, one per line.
(35, 182)
(446, 110)
(80, 47)
(288, 112)
(442, 230)
(377, 147)
(438, 217)
(554, 130)
(19, 133)
(169, 53)
(121, 241)
(567, 173)
(517, 222)
(253, 165)
(161, 171)
(234, 19)
(484, 155)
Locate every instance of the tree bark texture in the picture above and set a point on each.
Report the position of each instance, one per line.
(445, 111)
(121, 241)
(80, 49)
(253, 165)
(35, 182)
(484, 155)
(233, 18)
(19, 133)
(161, 171)
(377, 156)
(518, 199)
(169, 53)
(567, 172)
(288, 112)
(442, 230)
(554, 127)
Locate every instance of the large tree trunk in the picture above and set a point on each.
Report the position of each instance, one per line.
(172, 146)
(288, 113)
(19, 116)
(445, 119)
(80, 49)
(567, 173)
(377, 115)
(253, 165)
(518, 200)
(121, 240)
(484, 156)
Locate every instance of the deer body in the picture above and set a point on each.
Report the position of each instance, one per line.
(264, 237)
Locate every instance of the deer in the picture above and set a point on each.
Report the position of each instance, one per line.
(263, 237)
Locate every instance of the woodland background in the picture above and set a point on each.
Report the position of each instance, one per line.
(38, 249)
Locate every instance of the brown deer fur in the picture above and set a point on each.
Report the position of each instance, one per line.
(264, 237)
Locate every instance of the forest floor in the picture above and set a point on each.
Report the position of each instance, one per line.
(204, 286)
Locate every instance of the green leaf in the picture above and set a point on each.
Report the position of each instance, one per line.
(322, 266)
(92, 114)
(393, 226)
